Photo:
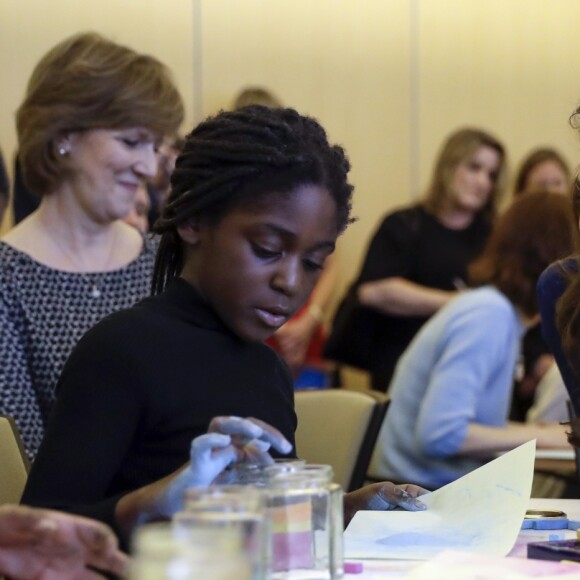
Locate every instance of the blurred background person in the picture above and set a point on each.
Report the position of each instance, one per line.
(24, 201)
(550, 404)
(451, 391)
(159, 186)
(93, 114)
(543, 169)
(138, 217)
(256, 95)
(417, 260)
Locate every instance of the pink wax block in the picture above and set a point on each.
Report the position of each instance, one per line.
(353, 567)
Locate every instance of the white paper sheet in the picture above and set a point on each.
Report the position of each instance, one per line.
(482, 512)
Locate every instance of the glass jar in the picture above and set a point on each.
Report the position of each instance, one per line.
(236, 509)
(159, 552)
(305, 510)
(254, 474)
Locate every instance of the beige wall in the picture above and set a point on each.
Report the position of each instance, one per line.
(388, 78)
(510, 66)
(348, 67)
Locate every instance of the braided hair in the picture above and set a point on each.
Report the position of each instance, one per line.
(240, 157)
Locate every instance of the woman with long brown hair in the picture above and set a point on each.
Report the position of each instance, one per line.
(418, 257)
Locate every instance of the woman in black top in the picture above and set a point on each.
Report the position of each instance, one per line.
(417, 260)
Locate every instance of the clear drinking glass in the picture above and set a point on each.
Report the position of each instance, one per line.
(238, 509)
(161, 553)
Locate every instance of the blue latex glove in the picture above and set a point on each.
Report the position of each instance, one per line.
(383, 496)
(251, 437)
(230, 440)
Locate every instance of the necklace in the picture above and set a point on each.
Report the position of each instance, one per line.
(79, 266)
(95, 291)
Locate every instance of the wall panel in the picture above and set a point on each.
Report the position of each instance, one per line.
(510, 67)
(347, 63)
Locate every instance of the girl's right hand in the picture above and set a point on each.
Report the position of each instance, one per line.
(230, 440)
(251, 438)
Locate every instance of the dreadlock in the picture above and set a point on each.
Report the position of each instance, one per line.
(240, 156)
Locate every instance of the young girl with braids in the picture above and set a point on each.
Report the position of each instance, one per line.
(258, 200)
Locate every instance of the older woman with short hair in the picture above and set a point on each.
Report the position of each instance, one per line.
(88, 129)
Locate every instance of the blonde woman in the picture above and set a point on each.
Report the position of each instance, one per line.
(418, 257)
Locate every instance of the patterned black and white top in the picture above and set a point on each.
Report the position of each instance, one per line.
(43, 314)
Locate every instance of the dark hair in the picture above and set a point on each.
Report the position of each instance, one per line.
(239, 157)
(534, 159)
(536, 230)
(89, 82)
(459, 147)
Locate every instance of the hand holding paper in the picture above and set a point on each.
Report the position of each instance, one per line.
(481, 512)
(383, 496)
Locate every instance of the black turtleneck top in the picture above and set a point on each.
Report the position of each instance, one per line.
(138, 388)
